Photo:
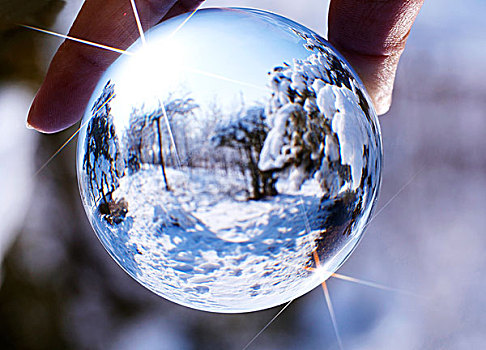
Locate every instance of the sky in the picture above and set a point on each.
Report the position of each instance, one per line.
(192, 61)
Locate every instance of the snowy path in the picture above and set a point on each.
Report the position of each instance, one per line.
(201, 238)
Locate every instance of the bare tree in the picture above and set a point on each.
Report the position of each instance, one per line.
(158, 124)
(247, 133)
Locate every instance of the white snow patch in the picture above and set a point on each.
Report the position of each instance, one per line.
(199, 245)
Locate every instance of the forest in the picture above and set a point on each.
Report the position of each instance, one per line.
(273, 146)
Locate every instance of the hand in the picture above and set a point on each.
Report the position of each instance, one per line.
(371, 34)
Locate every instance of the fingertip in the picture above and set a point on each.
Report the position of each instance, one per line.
(32, 117)
(383, 106)
(372, 36)
(41, 119)
(28, 126)
(381, 95)
(64, 94)
(34, 121)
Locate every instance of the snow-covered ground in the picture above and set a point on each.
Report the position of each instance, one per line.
(204, 245)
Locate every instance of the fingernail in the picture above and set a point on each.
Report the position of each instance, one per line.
(29, 126)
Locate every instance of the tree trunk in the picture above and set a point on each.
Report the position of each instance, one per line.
(187, 151)
(161, 155)
(255, 175)
(268, 183)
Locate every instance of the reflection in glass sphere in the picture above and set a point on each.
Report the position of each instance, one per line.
(231, 163)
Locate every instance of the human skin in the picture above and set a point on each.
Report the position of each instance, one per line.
(371, 34)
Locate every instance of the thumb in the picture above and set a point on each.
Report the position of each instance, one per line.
(371, 34)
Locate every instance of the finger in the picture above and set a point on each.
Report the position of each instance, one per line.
(76, 68)
(371, 34)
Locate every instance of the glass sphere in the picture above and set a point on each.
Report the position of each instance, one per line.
(231, 162)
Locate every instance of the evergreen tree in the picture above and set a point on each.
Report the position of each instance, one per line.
(103, 163)
(301, 140)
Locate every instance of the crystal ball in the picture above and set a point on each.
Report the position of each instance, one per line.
(230, 161)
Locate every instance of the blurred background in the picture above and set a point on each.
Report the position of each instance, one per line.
(60, 289)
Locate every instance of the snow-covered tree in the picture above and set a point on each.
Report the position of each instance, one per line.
(301, 141)
(133, 140)
(246, 133)
(103, 162)
(178, 112)
(148, 129)
(202, 148)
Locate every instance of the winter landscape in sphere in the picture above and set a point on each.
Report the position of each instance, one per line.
(230, 163)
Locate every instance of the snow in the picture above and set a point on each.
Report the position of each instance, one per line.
(348, 123)
(308, 113)
(235, 230)
(271, 156)
(203, 245)
(325, 98)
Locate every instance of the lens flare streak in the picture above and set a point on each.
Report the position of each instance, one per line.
(185, 21)
(171, 135)
(373, 284)
(332, 314)
(403, 188)
(267, 325)
(82, 41)
(221, 77)
(329, 303)
(139, 24)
